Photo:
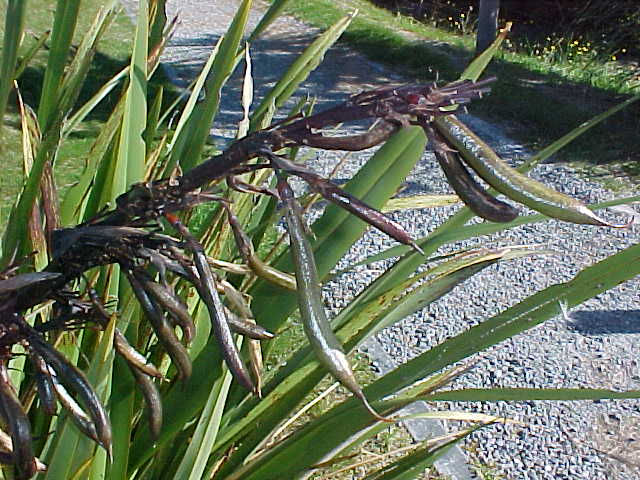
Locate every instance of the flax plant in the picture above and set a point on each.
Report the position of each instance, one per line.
(178, 401)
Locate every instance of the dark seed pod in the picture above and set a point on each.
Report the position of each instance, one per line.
(19, 426)
(336, 195)
(163, 330)
(71, 377)
(470, 192)
(77, 415)
(219, 323)
(133, 358)
(247, 328)
(207, 290)
(44, 384)
(152, 399)
(176, 309)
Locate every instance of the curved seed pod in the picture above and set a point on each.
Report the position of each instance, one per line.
(314, 318)
(19, 425)
(243, 187)
(152, 399)
(246, 327)
(516, 185)
(219, 324)
(76, 413)
(249, 256)
(44, 384)
(75, 379)
(271, 274)
(163, 330)
(470, 192)
(207, 290)
(345, 200)
(133, 358)
(235, 298)
(177, 310)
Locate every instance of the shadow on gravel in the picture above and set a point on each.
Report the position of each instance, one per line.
(605, 322)
(552, 107)
(342, 74)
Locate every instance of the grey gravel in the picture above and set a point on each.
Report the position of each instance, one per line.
(595, 345)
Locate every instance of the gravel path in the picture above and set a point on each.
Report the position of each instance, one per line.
(596, 345)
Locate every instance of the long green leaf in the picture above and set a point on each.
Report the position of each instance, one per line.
(76, 72)
(30, 140)
(317, 442)
(419, 201)
(195, 458)
(273, 12)
(93, 180)
(122, 413)
(129, 165)
(123, 407)
(64, 25)
(299, 71)
(15, 242)
(482, 229)
(224, 64)
(441, 280)
(527, 394)
(479, 64)
(530, 312)
(410, 466)
(93, 102)
(178, 143)
(14, 23)
(25, 60)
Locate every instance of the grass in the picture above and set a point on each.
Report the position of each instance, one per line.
(112, 55)
(537, 99)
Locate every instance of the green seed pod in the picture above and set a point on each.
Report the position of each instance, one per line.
(515, 185)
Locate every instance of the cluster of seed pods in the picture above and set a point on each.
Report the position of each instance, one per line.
(152, 261)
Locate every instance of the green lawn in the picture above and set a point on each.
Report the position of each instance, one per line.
(535, 99)
(112, 55)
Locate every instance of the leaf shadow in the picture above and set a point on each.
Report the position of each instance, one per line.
(605, 322)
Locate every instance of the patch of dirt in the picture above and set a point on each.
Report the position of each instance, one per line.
(618, 440)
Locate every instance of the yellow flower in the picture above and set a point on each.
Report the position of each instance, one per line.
(613, 57)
